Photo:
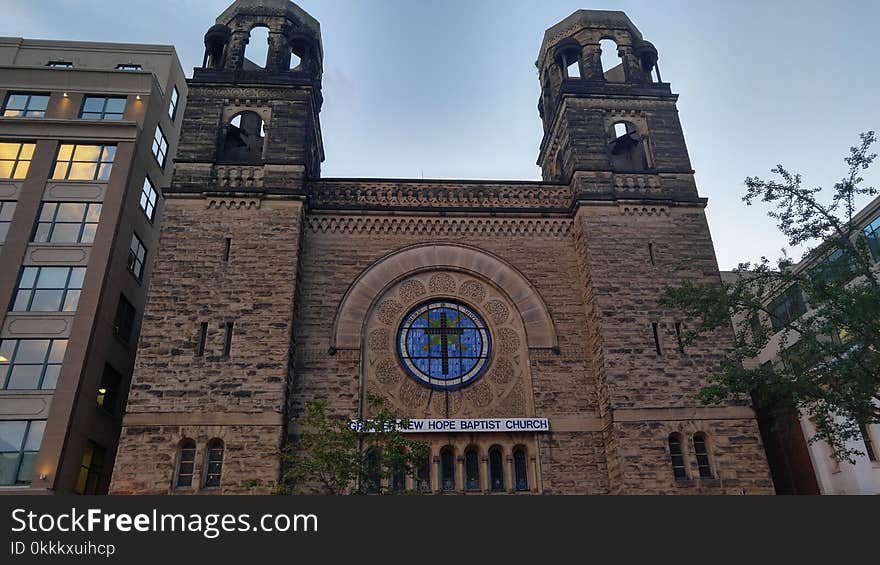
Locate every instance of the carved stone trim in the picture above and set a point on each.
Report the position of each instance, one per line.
(501, 227)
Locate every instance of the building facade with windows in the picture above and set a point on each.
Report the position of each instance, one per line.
(85, 134)
(515, 322)
(797, 465)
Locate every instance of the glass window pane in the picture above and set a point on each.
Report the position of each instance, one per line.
(59, 347)
(91, 116)
(27, 151)
(35, 435)
(12, 435)
(116, 105)
(39, 102)
(28, 276)
(52, 277)
(7, 209)
(9, 151)
(77, 274)
(71, 301)
(65, 151)
(90, 153)
(7, 347)
(60, 170)
(93, 104)
(88, 233)
(41, 235)
(50, 377)
(71, 212)
(24, 377)
(104, 171)
(28, 460)
(22, 299)
(6, 169)
(47, 212)
(109, 153)
(82, 171)
(65, 233)
(17, 101)
(94, 213)
(8, 468)
(21, 170)
(46, 301)
(31, 350)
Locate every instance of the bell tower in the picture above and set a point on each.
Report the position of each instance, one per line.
(254, 122)
(606, 113)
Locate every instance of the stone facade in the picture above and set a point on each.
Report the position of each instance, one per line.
(565, 272)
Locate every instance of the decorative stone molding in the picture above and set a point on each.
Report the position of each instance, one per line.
(439, 195)
(232, 202)
(643, 210)
(368, 288)
(502, 227)
(239, 176)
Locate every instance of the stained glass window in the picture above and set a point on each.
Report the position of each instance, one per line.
(443, 344)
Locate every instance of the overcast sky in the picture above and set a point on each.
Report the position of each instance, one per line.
(449, 89)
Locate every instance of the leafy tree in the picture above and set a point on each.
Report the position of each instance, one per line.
(832, 373)
(339, 456)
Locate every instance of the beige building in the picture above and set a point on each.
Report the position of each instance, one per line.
(519, 319)
(86, 138)
(798, 466)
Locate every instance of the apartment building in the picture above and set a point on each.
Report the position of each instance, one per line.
(86, 138)
(798, 466)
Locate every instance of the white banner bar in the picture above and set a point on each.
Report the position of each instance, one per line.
(472, 425)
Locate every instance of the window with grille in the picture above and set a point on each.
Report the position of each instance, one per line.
(25, 105)
(102, 108)
(7, 209)
(137, 256)
(148, 199)
(49, 289)
(31, 364)
(160, 146)
(67, 222)
(19, 444)
(90, 469)
(214, 467)
(84, 162)
(15, 159)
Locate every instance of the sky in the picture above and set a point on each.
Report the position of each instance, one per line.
(449, 89)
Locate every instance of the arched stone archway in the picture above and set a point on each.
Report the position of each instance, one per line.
(348, 325)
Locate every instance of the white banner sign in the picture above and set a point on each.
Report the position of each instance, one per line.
(472, 425)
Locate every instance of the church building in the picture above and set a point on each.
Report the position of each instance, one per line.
(516, 321)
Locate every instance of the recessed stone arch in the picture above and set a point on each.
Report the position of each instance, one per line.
(371, 283)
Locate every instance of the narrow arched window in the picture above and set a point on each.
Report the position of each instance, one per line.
(612, 66)
(257, 50)
(423, 476)
(373, 472)
(496, 469)
(702, 452)
(520, 469)
(471, 469)
(186, 462)
(214, 467)
(676, 456)
(447, 469)
(243, 139)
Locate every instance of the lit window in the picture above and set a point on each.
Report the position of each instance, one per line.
(520, 469)
(25, 105)
(471, 469)
(102, 108)
(90, 469)
(108, 390)
(67, 222)
(872, 233)
(447, 469)
(7, 209)
(48, 289)
(787, 307)
(137, 256)
(19, 443)
(186, 462)
(702, 453)
(128, 67)
(148, 199)
(15, 159)
(31, 364)
(123, 327)
(172, 104)
(84, 162)
(214, 467)
(676, 455)
(60, 64)
(160, 146)
(837, 267)
(496, 470)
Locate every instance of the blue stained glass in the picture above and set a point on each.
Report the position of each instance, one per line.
(444, 344)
